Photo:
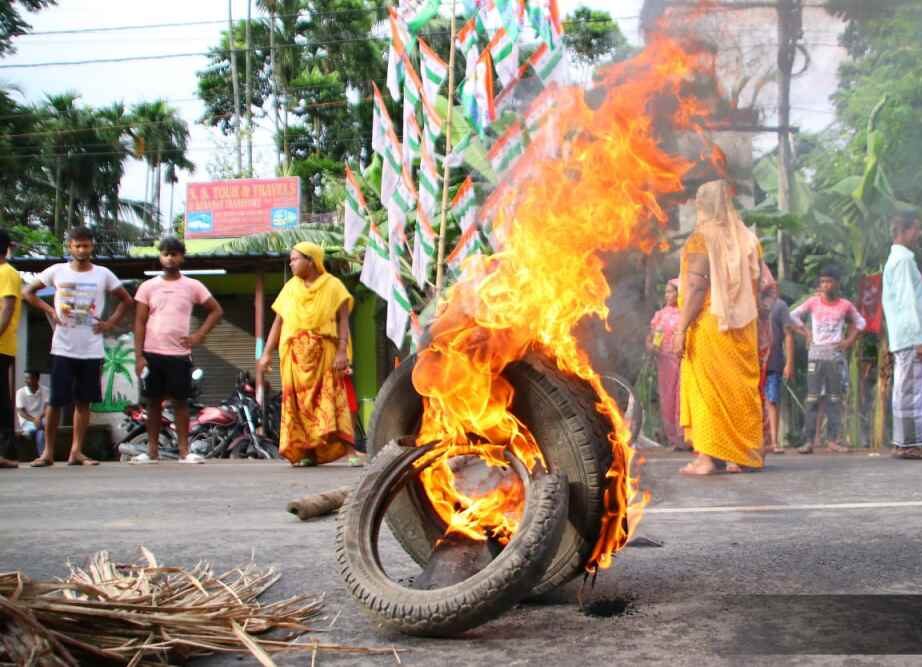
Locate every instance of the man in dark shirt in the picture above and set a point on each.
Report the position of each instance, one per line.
(780, 365)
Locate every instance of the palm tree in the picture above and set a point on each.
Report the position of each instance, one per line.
(159, 136)
(118, 361)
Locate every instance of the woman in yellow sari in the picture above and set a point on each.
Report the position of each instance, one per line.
(717, 337)
(311, 329)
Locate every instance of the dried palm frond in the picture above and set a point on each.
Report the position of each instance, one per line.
(149, 614)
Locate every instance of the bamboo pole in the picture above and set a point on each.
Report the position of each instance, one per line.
(249, 88)
(446, 171)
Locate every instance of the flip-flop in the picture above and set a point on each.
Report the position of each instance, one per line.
(8, 464)
(41, 463)
(306, 462)
(355, 462)
(83, 462)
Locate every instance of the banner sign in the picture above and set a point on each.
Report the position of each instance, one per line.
(243, 206)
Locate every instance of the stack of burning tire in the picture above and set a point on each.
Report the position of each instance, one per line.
(463, 583)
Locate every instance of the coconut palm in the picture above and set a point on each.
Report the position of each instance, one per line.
(118, 361)
(159, 137)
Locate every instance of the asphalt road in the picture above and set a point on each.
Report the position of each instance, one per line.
(814, 559)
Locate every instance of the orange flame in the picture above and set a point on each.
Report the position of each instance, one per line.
(591, 181)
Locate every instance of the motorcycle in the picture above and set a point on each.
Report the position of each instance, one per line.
(134, 425)
(232, 429)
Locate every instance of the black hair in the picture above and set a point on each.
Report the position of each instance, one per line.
(902, 221)
(81, 233)
(831, 271)
(34, 373)
(173, 244)
(5, 242)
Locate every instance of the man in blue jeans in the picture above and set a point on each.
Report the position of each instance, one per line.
(780, 365)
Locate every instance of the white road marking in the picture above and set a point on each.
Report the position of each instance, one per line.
(780, 508)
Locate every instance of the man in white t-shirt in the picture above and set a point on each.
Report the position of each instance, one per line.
(31, 400)
(76, 348)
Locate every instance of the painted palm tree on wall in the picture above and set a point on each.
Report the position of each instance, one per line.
(117, 362)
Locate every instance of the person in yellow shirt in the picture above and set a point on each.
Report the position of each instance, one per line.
(10, 306)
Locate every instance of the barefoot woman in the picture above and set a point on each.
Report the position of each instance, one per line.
(721, 409)
(312, 324)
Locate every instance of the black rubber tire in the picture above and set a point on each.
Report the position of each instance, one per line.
(559, 411)
(451, 610)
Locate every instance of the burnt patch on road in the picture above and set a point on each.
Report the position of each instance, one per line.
(610, 607)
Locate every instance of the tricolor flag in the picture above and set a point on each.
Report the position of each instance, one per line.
(506, 150)
(490, 19)
(392, 165)
(544, 17)
(432, 124)
(433, 70)
(412, 138)
(403, 201)
(430, 188)
(398, 309)
(356, 212)
(464, 205)
(417, 13)
(376, 269)
(467, 44)
(510, 16)
(551, 65)
(423, 246)
(400, 48)
(468, 244)
(477, 95)
(412, 88)
(505, 54)
(380, 122)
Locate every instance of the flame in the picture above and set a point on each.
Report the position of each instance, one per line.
(591, 182)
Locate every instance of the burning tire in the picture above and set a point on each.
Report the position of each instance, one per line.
(560, 413)
(453, 609)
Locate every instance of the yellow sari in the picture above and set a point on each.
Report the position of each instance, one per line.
(721, 401)
(316, 421)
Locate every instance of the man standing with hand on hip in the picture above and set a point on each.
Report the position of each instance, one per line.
(163, 344)
(902, 300)
(77, 346)
(10, 306)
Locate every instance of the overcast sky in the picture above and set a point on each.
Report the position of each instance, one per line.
(175, 79)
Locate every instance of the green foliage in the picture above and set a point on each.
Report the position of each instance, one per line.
(12, 23)
(885, 42)
(594, 38)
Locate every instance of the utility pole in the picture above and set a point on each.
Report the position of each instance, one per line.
(790, 32)
(231, 42)
(249, 95)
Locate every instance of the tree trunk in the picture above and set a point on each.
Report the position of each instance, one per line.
(882, 390)
(172, 216)
(275, 90)
(58, 203)
(147, 222)
(70, 206)
(157, 194)
(235, 79)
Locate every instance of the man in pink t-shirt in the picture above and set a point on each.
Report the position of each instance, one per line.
(835, 324)
(163, 345)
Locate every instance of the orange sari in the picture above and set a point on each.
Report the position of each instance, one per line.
(316, 421)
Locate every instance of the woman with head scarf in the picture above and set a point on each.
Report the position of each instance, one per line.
(717, 337)
(659, 343)
(311, 329)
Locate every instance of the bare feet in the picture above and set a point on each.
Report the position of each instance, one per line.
(733, 468)
(41, 462)
(836, 447)
(777, 449)
(700, 467)
(7, 463)
(81, 460)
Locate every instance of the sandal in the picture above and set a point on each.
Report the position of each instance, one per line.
(306, 462)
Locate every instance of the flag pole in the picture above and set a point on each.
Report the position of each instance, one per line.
(446, 172)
